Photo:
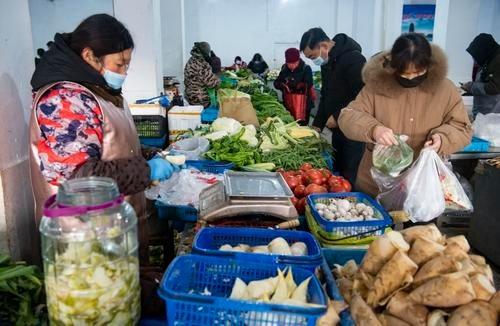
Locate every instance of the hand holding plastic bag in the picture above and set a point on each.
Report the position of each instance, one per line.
(393, 159)
(424, 191)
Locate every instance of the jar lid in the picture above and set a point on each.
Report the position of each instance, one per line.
(52, 209)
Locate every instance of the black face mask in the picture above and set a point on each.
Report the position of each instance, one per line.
(409, 83)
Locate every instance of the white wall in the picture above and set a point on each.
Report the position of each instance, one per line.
(241, 27)
(17, 224)
(172, 37)
(56, 16)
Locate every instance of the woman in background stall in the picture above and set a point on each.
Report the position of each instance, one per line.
(198, 75)
(258, 66)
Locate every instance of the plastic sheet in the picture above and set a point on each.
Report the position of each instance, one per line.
(183, 188)
(393, 159)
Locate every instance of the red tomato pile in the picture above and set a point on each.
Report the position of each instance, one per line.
(308, 181)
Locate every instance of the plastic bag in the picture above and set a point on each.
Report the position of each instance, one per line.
(193, 148)
(393, 159)
(486, 127)
(183, 188)
(424, 191)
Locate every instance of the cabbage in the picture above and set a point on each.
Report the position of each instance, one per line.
(86, 287)
(250, 135)
(229, 125)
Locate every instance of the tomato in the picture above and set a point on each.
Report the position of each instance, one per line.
(314, 176)
(315, 189)
(300, 191)
(339, 185)
(306, 167)
(326, 173)
(301, 206)
(291, 181)
(294, 201)
(347, 185)
(333, 180)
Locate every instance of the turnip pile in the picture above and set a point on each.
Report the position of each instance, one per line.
(419, 277)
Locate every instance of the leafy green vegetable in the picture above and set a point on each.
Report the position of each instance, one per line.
(20, 293)
(268, 106)
(259, 167)
(233, 149)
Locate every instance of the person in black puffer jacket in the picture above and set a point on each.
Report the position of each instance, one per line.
(296, 76)
(341, 63)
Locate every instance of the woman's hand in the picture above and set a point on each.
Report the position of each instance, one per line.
(384, 136)
(434, 143)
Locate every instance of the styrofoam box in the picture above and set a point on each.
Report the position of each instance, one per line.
(148, 109)
(182, 118)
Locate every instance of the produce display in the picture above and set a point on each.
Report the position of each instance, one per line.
(85, 287)
(234, 149)
(342, 210)
(274, 145)
(280, 289)
(277, 246)
(419, 277)
(268, 106)
(20, 293)
(308, 180)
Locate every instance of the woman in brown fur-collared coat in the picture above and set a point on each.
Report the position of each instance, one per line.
(406, 93)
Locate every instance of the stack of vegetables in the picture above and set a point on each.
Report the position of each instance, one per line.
(419, 277)
(307, 181)
(20, 293)
(280, 289)
(274, 145)
(268, 106)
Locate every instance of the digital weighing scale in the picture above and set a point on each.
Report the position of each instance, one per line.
(247, 193)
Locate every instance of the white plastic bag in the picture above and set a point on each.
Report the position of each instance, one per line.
(183, 187)
(424, 191)
(193, 148)
(486, 126)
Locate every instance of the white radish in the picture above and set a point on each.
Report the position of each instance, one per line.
(280, 246)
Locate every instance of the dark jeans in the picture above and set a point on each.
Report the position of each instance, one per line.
(347, 155)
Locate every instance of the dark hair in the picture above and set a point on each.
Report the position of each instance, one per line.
(410, 48)
(256, 57)
(312, 38)
(102, 33)
(238, 58)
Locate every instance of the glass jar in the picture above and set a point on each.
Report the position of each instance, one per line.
(90, 255)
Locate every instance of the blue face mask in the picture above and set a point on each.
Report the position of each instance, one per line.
(113, 79)
(319, 61)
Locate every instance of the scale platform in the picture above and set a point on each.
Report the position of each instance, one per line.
(247, 193)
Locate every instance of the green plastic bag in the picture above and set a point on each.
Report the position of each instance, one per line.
(393, 159)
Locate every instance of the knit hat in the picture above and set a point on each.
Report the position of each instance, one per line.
(292, 55)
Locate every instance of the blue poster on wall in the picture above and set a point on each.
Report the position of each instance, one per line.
(419, 19)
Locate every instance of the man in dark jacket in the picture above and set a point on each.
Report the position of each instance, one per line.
(486, 86)
(215, 63)
(341, 63)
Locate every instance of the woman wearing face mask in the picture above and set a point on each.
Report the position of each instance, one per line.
(406, 93)
(80, 124)
(296, 78)
(238, 64)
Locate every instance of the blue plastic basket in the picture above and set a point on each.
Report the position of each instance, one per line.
(349, 229)
(340, 256)
(208, 241)
(154, 142)
(188, 213)
(477, 145)
(210, 166)
(190, 275)
(328, 160)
